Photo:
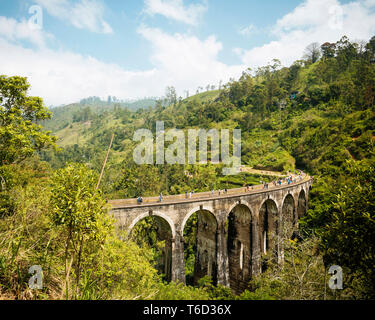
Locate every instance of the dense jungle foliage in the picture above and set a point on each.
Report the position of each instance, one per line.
(317, 115)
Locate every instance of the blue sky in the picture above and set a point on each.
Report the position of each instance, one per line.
(73, 49)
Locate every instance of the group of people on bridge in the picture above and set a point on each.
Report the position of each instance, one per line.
(289, 179)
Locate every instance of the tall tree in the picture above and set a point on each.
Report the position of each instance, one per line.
(20, 133)
(312, 52)
(171, 95)
(371, 46)
(349, 238)
(328, 50)
(79, 209)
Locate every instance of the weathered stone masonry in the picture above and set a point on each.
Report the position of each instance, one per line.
(233, 230)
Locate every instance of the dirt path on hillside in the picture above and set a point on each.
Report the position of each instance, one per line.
(262, 172)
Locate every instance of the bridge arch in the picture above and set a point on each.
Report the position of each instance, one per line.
(202, 237)
(238, 203)
(288, 215)
(301, 203)
(194, 210)
(154, 213)
(268, 229)
(162, 227)
(270, 197)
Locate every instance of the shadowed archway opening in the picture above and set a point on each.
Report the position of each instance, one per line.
(268, 232)
(155, 232)
(200, 248)
(239, 245)
(302, 204)
(288, 215)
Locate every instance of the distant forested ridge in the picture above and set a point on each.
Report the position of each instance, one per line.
(89, 108)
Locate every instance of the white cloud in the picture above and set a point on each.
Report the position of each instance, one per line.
(187, 61)
(84, 14)
(313, 21)
(247, 31)
(181, 60)
(369, 3)
(62, 77)
(175, 9)
(14, 31)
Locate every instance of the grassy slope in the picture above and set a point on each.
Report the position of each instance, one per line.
(261, 146)
(78, 133)
(204, 96)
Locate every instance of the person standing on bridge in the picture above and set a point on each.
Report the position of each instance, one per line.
(161, 197)
(139, 200)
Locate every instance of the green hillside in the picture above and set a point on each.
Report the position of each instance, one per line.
(317, 115)
(89, 109)
(204, 96)
(313, 116)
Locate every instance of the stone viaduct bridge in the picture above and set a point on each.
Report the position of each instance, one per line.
(234, 229)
